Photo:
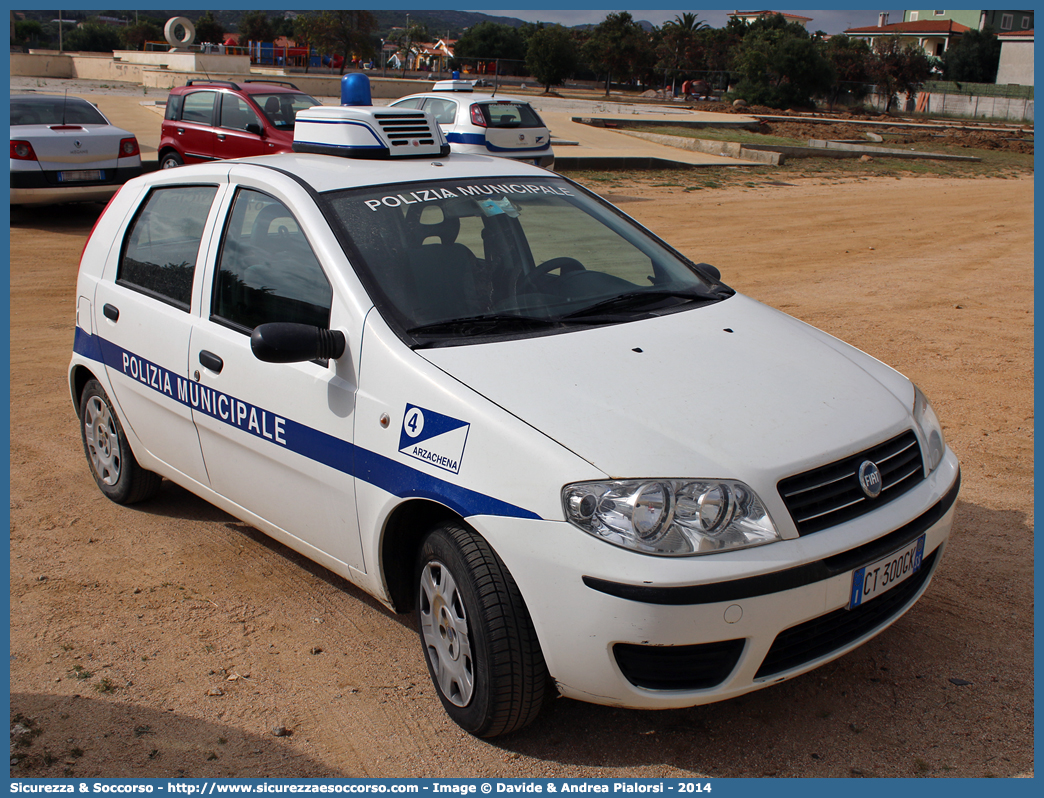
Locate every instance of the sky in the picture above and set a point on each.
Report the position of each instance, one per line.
(830, 21)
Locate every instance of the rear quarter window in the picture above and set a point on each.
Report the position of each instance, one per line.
(173, 111)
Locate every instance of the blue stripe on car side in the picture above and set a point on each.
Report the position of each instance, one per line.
(480, 140)
(389, 475)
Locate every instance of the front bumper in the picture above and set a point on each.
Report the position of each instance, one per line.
(701, 629)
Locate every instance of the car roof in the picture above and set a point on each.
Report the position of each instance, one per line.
(42, 99)
(254, 87)
(332, 173)
(471, 96)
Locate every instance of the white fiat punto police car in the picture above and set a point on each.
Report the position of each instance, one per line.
(488, 397)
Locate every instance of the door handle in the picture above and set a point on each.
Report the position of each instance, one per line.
(111, 312)
(211, 361)
(181, 130)
(221, 136)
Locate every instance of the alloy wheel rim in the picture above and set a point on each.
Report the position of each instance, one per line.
(102, 441)
(444, 627)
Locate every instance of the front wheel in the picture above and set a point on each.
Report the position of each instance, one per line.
(479, 643)
(109, 456)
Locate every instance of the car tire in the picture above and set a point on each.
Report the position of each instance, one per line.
(478, 639)
(109, 456)
(171, 160)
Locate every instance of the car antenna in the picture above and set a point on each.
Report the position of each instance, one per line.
(65, 104)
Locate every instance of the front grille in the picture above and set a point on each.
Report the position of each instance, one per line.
(831, 494)
(697, 667)
(827, 633)
(401, 128)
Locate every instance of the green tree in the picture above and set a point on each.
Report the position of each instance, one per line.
(255, 26)
(27, 33)
(780, 65)
(146, 30)
(406, 39)
(618, 47)
(489, 41)
(895, 68)
(208, 29)
(552, 55)
(93, 37)
(716, 46)
(310, 31)
(850, 59)
(974, 58)
(347, 33)
(678, 48)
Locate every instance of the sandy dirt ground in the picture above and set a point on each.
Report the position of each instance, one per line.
(169, 639)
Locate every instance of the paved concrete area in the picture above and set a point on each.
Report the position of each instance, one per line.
(131, 107)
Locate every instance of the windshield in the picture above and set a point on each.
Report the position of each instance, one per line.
(457, 261)
(55, 111)
(281, 108)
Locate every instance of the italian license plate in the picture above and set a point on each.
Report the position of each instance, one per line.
(874, 579)
(83, 174)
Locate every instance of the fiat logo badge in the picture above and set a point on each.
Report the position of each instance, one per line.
(870, 479)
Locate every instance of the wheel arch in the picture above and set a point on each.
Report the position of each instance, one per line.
(404, 531)
(78, 380)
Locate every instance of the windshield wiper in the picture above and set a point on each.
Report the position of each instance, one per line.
(636, 299)
(482, 325)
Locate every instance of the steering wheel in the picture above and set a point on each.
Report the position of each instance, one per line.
(566, 264)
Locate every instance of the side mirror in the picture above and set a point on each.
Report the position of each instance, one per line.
(710, 271)
(255, 128)
(287, 342)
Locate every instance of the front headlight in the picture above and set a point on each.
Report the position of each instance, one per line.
(670, 517)
(931, 431)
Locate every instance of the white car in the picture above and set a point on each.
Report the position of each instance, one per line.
(485, 124)
(63, 149)
(484, 395)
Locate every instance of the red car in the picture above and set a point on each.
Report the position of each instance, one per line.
(208, 120)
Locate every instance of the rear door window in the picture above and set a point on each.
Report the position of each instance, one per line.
(162, 244)
(444, 111)
(199, 107)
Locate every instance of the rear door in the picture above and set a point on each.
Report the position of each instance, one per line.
(145, 306)
(194, 131)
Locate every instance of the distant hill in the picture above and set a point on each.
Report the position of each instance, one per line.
(440, 22)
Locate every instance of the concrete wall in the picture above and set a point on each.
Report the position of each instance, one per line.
(1016, 62)
(1014, 109)
(145, 70)
(41, 65)
(187, 62)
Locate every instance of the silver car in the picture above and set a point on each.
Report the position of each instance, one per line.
(63, 149)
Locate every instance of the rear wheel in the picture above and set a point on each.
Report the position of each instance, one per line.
(479, 643)
(171, 159)
(109, 456)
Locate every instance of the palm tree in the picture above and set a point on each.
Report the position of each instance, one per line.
(678, 48)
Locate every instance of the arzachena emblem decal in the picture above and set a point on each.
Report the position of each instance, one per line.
(870, 479)
(433, 437)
